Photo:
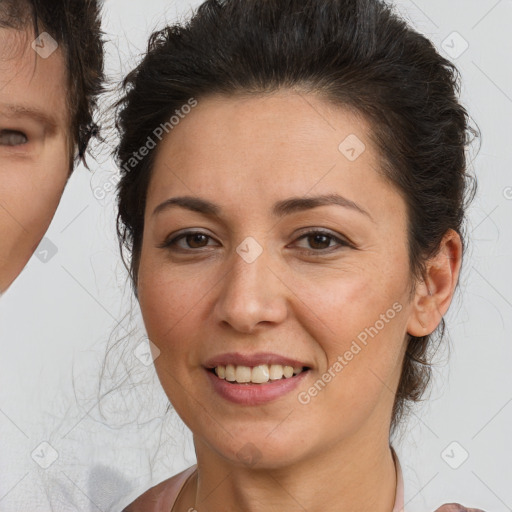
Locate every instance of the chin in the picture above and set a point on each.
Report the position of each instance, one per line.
(261, 452)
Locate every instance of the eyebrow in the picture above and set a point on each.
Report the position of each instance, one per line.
(279, 209)
(31, 112)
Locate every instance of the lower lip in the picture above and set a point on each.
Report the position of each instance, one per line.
(255, 394)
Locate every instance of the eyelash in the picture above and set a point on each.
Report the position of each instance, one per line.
(13, 132)
(318, 252)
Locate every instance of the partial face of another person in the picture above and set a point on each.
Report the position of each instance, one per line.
(301, 283)
(35, 146)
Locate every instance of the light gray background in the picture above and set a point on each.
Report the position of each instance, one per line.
(57, 318)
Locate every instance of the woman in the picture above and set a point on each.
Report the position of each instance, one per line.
(292, 200)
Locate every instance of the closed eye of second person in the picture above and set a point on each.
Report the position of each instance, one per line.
(12, 138)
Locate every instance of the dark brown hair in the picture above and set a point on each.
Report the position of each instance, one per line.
(76, 25)
(358, 54)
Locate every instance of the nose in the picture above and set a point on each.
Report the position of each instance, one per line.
(251, 294)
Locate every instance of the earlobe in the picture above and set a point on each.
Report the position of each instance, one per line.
(434, 294)
(421, 315)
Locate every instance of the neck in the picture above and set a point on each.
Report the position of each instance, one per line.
(357, 475)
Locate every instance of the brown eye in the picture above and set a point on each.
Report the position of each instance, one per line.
(319, 241)
(322, 242)
(192, 239)
(12, 138)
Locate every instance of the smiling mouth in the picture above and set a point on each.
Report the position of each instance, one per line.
(261, 374)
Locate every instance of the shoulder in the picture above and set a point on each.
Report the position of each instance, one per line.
(456, 507)
(149, 500)
(162, 496)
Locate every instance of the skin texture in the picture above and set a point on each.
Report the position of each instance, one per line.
(34, 155)
(245, 154)
(455, 507)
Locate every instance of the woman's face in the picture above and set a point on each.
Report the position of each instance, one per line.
(253, 289)
(34, 145)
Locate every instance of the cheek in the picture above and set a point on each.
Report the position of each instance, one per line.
(342, 307)
(33, 190)
(171, 305)
(31, 203)
(358, 322)
(174, 317)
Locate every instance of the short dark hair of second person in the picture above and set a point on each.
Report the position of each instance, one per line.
(76, 26)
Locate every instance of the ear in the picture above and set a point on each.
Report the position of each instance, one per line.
(434, 294)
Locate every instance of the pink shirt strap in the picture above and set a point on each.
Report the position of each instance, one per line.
(161, 497)
(399, 496)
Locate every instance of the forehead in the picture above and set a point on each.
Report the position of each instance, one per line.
(32, 83)
(302, 119)
(294, 141)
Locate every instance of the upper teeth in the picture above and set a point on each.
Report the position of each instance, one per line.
(257, 374)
